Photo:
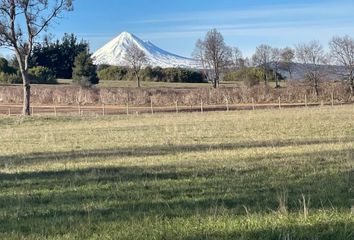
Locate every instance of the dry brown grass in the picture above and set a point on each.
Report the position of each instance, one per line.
(71, 95)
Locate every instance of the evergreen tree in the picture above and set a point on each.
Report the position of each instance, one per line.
(58, 56)
(84, 71)
(5, 67)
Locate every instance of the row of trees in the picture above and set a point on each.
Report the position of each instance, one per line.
(83, 72)
(218, 59)
(156, 74)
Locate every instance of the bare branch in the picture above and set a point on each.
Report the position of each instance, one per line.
(213, 55)
(312, 55)
(136, 59)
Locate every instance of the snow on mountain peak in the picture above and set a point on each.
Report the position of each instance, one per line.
(114, 53)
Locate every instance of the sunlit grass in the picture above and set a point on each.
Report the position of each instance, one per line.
(179, 176)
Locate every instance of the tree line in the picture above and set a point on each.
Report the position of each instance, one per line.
(222, 61)
(50, 60)
(152, 74)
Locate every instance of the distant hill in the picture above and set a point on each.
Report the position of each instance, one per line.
(329, 72)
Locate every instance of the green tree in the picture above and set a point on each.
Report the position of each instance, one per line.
(5, 67)
(41, 75)
(8, 74)
(84, 71)
(58, 56)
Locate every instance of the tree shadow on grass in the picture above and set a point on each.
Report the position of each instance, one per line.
(149, 151)
(122, 193)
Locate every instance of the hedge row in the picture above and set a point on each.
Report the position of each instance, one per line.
(156, 74)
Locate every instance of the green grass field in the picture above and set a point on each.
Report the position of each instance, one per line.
(272, 174)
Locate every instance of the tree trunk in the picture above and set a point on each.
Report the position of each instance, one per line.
(23, 65)
(265, 85)
(265, 79)
(315, 88)
(138, 82)
(26, 110)
(137, 79)
(351, 84)
(277, 85)
(215, 83)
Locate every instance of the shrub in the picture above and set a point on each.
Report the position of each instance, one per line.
(84, 72)
(9, 78)
(250, 76)
(172, 75)
(156, 74)
(41, 75)
(5, 67)
(152, 74)
(102, 67)
(112, 73)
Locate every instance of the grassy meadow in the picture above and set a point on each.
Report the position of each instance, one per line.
(267, 174)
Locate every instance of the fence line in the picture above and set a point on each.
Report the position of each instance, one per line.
(55, 110)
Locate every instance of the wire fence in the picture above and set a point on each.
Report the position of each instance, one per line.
(79, 110)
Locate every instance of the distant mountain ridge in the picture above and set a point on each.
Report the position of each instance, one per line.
(114, 53)
(328, 72)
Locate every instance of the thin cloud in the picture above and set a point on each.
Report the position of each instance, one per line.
(260, 31)
(280, 11)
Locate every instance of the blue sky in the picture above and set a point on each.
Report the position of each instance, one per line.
(176, 25)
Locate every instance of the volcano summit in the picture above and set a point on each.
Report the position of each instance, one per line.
(114, 53)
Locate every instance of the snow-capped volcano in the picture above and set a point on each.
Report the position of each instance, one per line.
(114, 53)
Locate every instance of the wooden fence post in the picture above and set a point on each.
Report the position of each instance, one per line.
(253, 107)
(32, 108)
(55, 110)
(9, 111)
(332, 99)
(227, 104)
(127, 108)
(305, 100)
(151, 106)
(201, 106)
(103, 109)
(176, 106)
(279, 102)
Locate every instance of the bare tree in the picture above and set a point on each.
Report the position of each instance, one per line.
(342, 50)
(312, 56)
(199, 55)
(237, 60)
(287, 60)
(136, 59)
(21, 22)
(215, 55)
(262, 58)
